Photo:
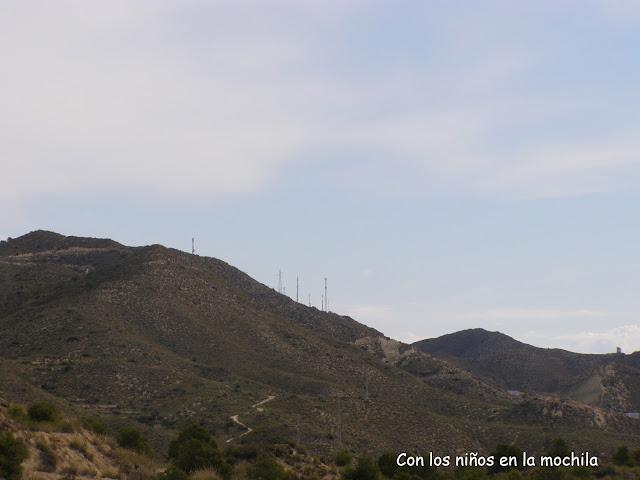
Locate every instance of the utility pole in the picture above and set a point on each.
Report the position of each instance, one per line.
(193, 246)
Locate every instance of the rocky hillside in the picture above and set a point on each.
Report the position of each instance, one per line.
(67, 452)
(158, 338)
(609, 381)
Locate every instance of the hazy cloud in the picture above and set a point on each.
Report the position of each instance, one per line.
(626, 337)
(193, 99)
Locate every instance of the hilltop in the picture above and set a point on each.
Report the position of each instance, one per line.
(610, 381)
(157, 337)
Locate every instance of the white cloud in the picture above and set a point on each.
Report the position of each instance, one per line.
(604, 341)
(543, 327)
(518, 314)
(194, 99)
(372, 313)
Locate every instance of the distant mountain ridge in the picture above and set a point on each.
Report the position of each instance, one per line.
(608, 380)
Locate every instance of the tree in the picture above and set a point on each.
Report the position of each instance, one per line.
(194, 449)
(12, 453)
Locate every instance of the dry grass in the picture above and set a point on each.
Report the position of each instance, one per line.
(205, 474)
(131, 461)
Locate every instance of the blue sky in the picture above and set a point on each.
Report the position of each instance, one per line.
(447, 165)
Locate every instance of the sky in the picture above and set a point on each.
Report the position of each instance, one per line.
(445, 164)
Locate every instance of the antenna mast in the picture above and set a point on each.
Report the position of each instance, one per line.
(279, 281)
(193, 246)
(297, 287)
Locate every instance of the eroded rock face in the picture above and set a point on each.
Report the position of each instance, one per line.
(55, 455)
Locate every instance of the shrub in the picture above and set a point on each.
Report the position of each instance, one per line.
(387, 464)
(132, 439)
(43, 412)
(558, 447)
(343, 458)
(12, 453)
(95, 425)
(18, 412)
(504, 451)
(365, 469)
(173, 474)
(266, 468)
(205, 474)
(622, 456)
(241, 452)
(195, 449)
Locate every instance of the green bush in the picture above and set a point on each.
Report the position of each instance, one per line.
(622, 456)
(558, 447)
(504, 451)
(18, 412)
(365, 469)
(132, 439)
(387, 464)
(12, 453)
(194, 449)
(95, 425)
(43, 412)
(241, 452)
(343, 458)
(266, 468)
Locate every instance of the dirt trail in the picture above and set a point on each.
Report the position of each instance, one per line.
(236, 418)
(258, 406)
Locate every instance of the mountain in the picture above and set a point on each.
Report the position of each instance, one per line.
(611, 381)
(158, 338)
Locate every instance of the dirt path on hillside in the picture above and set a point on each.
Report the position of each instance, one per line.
(236, 418)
